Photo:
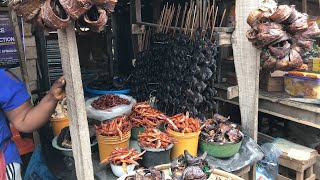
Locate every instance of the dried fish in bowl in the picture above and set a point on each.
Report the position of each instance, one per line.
(119, 126)
(108, 101)
(154, 138)
(220, 130)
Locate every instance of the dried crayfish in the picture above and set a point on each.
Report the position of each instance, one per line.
(117, 127)
(144, 115)
(219, 129)
(185, 123)
(108, 101)
(154, 138)
(124, 156)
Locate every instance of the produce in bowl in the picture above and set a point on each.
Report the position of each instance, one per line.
(123, 157)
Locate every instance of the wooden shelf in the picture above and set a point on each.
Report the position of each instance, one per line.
(276, 104)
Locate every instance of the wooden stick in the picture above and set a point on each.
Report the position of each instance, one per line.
(171, 17)
(195, 16)
(214, 22)
(167, 14)
(203, 30)
(183, 16)
(164, 16)
(177, 19)
(161, 18)
(187, 20)
(224, 13)
(200, 11)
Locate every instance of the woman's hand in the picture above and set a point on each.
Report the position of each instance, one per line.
(57, 90)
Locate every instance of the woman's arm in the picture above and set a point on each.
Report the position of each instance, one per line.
(26, 118)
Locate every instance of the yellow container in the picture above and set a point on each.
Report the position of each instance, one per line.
(58, 124)
(107, 144)
(186, 141)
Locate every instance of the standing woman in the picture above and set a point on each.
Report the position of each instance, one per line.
(16, 108)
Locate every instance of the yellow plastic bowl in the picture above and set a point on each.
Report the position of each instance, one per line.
(186, 141)
(58, 124)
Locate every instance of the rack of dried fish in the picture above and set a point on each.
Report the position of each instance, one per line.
(177, 64)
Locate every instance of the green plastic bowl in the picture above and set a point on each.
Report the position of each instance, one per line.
(220, 150)
(136, 131)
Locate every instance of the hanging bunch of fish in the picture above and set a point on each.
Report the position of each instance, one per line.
(283, 34)
(179, 64)
(58, 14)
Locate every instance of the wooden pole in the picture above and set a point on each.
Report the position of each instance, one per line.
(247, 64)
(76, 106)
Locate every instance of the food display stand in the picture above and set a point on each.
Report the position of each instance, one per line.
(246, 94)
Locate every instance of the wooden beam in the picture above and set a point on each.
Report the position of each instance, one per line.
(76, 106)
(246, 59)
(304, 6)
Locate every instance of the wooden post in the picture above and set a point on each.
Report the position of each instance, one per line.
(76, 106)
(247, 64)
(304, 6)
(22, 61)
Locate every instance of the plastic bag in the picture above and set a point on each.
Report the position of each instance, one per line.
(267, 168)
(112, 112)
(249, 153)
(37, 168)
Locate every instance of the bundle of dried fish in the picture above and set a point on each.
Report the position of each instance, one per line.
(219, 129)
(185, 123)
(28, 9)
(50, 16)
(108, 101)
(96, 18)
(123, 157)
(284, 37)
(281, 14)
(154, 138)
(147, 174)
(117, 127)
(143, 115)
(188, 167)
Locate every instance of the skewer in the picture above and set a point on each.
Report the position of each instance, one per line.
(209, 18)
(203, 30)
(164, 16)
(170, 19)
(200, 11)
(177, 18)
(224, 13)
(183, 16)
(161, 18)
(166, 19)
(187, 20)
(195, 13)
(214, 22)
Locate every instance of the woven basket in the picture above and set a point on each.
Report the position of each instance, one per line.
(28, 9)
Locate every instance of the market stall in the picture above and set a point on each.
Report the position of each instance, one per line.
(172, 119)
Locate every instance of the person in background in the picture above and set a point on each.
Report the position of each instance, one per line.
(16, 108)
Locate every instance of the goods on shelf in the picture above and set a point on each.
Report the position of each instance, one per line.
(64, 138)
(178, 66)
(154, 138)
(59, 119)
(157, 145)
(123, 157)
(108, 101)
(109, 106)
(220, 138)
(300, 84)
(58, 14)
(187, 135)
(284, 35)
(144, 115)
(117, 127)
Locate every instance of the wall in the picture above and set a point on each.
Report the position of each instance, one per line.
(31, 57)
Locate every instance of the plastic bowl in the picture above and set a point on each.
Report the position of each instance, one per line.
(220, 150)
(66, 151)
(155, 156)
(118, 171)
